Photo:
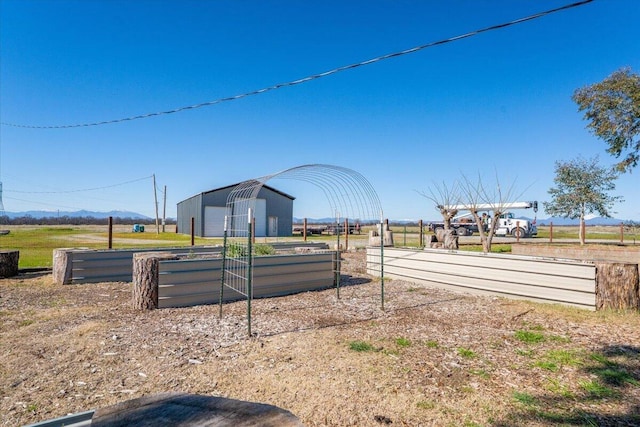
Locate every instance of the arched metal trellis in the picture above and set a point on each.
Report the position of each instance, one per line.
(347, 192)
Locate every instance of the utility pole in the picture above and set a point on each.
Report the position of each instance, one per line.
(164, 209)
(155, 197)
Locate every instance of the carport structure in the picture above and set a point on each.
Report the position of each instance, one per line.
(347, 192)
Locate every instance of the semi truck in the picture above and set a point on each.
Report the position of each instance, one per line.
(508, 224)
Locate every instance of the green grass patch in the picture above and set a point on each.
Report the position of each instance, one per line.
(556, 387)
(466, 353)
(432, 344)
(524, 352)
(481, 373)
(596, 390)
(529, 337)
(403, 342)
(495, 248)
(425, 404)
(564, 357)
(524, 398)
(560, 339)
(549, 366)
(36, 244)
(360, 346)
(610, 372)
(263, 249)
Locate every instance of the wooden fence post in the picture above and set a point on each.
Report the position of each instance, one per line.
(110, 232)
(304, 229)
(193, 230)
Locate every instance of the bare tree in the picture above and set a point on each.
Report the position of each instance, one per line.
(479, 199)
(442, 196)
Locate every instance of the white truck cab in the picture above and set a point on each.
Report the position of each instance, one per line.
(510, 225)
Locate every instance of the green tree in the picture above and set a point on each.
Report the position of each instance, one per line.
(612, 108)
(582, 188)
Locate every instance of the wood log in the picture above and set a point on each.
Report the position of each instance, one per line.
(617, 286)
(192, 410)
(448, 239)
(9, 263)
(146, 269)
(62, 266)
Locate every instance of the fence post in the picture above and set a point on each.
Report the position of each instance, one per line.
(621, 233)
(110, 232)
(518, 231)
(193, 230)
(551, 232)
(346, 234)
(420, 233)
(304, 229)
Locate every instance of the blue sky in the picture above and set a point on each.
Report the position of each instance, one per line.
(496, 104)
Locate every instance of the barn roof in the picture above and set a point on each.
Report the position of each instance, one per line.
(263, 186)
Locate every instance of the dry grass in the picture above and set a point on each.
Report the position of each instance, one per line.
(431, 358)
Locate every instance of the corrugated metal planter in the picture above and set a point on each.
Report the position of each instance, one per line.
(545, 280)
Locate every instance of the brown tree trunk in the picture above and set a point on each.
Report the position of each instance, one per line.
(447, 239)
(146, 269)
(9, 263)
(617, 286)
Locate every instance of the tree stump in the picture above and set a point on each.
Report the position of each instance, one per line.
(446, 238)
(9, 263)
(617, 286)
(146, 269)
(385, 237)
(173, 409)
(62, 266)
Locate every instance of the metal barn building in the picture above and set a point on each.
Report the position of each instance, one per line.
(273, 213)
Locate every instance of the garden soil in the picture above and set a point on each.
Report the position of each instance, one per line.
(431, 357)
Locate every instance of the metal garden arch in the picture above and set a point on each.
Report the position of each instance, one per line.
(348, 193)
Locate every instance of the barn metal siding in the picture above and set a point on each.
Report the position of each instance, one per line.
(116, 265)
(553, 281)
(278, 204)
(281, 207)
(187, 209)
(191, 282)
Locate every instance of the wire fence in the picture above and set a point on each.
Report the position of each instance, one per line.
(36, 242)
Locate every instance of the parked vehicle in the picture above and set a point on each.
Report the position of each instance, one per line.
(508, 223)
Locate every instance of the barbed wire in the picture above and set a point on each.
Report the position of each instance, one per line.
(311, 77)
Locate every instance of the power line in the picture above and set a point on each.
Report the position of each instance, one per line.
(314, 76)
(81, 190)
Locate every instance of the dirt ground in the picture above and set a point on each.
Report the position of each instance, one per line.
(432, 357)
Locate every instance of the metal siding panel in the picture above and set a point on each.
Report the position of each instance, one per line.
(542, 277)
(584, 297)
(413, 265)
(193, 282)
(515, 262)
(214, 221)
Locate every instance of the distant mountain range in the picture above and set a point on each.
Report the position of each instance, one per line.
(75, 214)
(567, 221)
(134, 215)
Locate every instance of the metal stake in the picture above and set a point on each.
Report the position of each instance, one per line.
(224, 263)
(249, 273)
